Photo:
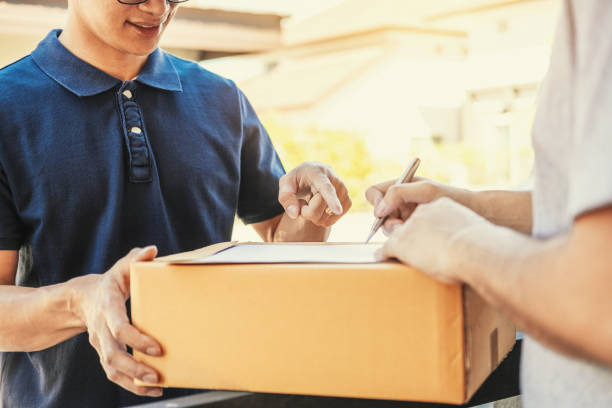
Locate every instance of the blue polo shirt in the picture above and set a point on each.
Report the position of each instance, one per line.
(91, 166)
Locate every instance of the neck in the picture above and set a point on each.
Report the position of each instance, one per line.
(94, 51)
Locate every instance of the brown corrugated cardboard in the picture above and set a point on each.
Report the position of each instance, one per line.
(383, 331)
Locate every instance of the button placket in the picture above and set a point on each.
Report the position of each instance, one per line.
(139, 151)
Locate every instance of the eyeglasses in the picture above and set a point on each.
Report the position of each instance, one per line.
(133, 2)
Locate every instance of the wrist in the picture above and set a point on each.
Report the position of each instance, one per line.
(485, 250)
(77, 290)
(468, 198)
(299, 230)
(464, 251)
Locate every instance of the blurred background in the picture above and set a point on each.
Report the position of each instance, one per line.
(365, 85)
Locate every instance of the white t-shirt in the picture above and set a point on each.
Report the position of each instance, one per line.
(572, 139)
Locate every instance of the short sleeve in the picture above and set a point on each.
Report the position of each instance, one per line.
(11, 227)
(260, 169)
(590, 177)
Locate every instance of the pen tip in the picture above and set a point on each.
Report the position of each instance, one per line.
(370, 235)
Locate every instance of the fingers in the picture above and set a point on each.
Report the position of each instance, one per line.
(376, 192)
(287, 194)
(434, 239)
(385, 252)
(122, 331)
(120, 367)
(390, 225)
(379, 255)
(315, 209)
(314, 191)
(319, 211)
(374, 195)
(109, 328)
(400, 196)
(127, 383)
(113, 332)
(116, 291)
(322, 184)
(345, 201)
(392, 247)
(316, 212)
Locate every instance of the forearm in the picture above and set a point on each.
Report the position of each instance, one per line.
(33, 319)
(510, 209)
(298, 230)
(545, 287)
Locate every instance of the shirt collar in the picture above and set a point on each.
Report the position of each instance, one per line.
(84, 79)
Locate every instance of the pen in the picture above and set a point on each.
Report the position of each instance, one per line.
(405, 178)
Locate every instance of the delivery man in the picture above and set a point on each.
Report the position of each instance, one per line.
(543, 257)
(108, 143)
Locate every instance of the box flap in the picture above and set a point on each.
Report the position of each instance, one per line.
(186, 257)
(290, 253)
(278, 253)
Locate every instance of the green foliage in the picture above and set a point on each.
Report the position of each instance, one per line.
(345, 152)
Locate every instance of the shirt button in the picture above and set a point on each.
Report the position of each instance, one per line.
(136, 130)
(127, 93)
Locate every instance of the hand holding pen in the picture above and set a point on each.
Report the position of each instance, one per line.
(374, 198)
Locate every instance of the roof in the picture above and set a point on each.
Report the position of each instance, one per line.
(368, 14)
(306, 74)
(318, 78)
(228, 6)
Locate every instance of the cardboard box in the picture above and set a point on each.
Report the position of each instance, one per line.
(382, 331)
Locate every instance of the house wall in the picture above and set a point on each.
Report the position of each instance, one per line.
(410, 88)
(509, 52)
(386, 104)
(13, 47)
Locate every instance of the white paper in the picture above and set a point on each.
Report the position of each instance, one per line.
(294, 253)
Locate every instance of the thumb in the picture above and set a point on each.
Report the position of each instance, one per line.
(121, 270)
(145, 254)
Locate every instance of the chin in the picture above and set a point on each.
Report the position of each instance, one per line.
(144, 52)
(136, 44)
(141, 50)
